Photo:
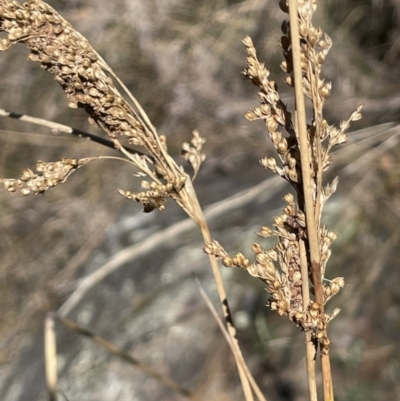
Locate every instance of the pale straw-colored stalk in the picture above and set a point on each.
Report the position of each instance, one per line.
(50, 352)
(294, 269)
(312, 225)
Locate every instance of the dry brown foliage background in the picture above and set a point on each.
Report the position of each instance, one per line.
(182, 60)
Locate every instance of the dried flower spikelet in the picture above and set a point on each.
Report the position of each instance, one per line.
(215, 248)
(275, 114)
(338, 135)
(266, 232)
(192, 151)
(315, 45)
(272, 109)
(47, 175)
(83, 76)
(325, 90)
(241, 261)
(328, 190)
(332, 288)
(289, 226)
(289, 199)
(154, 198)
(332, 315)
(265, 270)
(257, 248)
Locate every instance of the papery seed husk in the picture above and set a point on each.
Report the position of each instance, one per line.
(257, 248)
(250, 116)
(339, 281)
(296, 277)
(335, 288)
(289, 199)
(247, 41)
(289, 80)
(227, 262)
(276, 137)
(276, 285)
(327, 291)
(279, 221)
(293, 175)
(272, 254)
(271, 163)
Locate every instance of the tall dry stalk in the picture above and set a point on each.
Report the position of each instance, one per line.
(303, 249)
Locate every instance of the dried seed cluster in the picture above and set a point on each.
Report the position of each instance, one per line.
(85, 78)
(192, 151)
(47, 175)
(273, 111)
(314, 46)
(154, 198)
(280, 267)
(69, 57)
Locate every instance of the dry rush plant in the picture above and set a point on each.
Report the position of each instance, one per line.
(294, 269)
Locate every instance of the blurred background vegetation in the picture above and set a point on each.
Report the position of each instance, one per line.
(182, 60)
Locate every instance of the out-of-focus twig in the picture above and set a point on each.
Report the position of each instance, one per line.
(57, 128)
(50, 353)
(108, 346)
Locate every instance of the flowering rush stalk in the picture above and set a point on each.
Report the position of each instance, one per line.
(294, 268)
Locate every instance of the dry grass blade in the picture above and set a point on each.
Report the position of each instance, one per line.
(374, 153)
(57, 128)
(367, 282)
(50, 352)
(109, 347)
(210, 306)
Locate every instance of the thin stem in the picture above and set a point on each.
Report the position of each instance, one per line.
(311, 346)
(115, 158)
(195, 211)
(253, 383)
(110, 347)
(317, 108)
(140, 109)
(305, 161)
(50, 351)
(312, 231)
(65, 129)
